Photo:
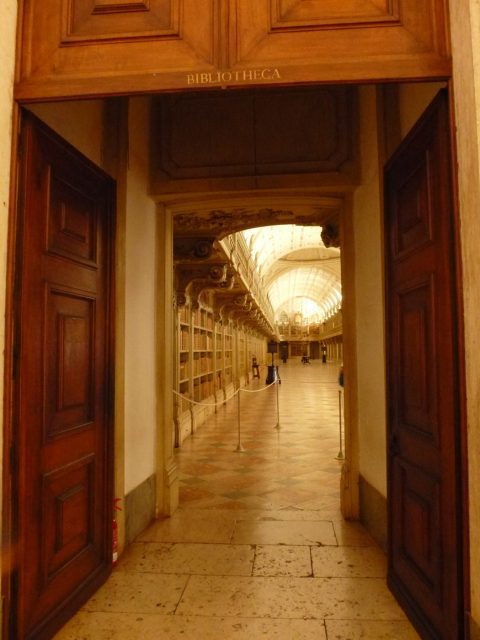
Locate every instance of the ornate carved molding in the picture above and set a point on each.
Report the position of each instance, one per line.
(179, 299)
(192, 281)
(222, 223)
(331, 236)
(192, 247)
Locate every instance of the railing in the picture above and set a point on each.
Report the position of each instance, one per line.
(239, 254)
(237, 393)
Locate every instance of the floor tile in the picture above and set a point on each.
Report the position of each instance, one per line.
(126, 592)
(284, 532)
(345, 562)
(338, 598)
(192, 559)
(107, 626)
(235, 561)
(352, 534)
(279, 560)
(186, 527)
(371, 630)
(280, 515)
(188, 493)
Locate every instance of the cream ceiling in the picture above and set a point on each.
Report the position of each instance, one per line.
(300, 275)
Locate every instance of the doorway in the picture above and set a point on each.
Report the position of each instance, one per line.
(352, 325)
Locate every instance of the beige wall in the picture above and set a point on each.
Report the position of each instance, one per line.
(413, 99)
(369, 301)
(140, 403)
(81, 123)
(465, 25)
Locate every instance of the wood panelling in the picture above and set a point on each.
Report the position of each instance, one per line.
(347, 39)
(87, 47)
(94, 20)
(418, 501)
(425, 507)
(104, 47)
(288, 14)
(72, 223)
(63, 419)
(254, 136)
(67, 496)
(69, 362)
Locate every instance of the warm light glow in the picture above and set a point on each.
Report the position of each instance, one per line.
(268, 244)
(301, 276)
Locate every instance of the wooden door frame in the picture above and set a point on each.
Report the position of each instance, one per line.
(9, 466)
(10, 408)
(12, 284)
(460, 353)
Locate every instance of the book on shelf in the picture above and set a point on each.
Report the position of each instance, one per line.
(184, 339)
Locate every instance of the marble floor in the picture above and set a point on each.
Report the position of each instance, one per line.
(258, 548)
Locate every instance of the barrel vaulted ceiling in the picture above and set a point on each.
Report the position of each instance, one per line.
(300, 275)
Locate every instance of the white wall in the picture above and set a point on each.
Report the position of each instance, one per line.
(367, 215)
(140, 402)
(413, 100)
(80, 123)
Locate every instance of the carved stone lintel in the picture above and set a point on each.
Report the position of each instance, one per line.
(222, 222)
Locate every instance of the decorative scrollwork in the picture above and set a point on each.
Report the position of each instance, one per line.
(330, 236)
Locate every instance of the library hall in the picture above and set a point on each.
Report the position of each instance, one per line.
(239, 289)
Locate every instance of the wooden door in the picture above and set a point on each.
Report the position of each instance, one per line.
(105, 47)
(64, 429)
(424, 488)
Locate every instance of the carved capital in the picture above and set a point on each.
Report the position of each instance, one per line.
(188, 248)
(194, 280)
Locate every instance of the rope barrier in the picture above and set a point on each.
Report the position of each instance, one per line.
(215, 404)
(206, 404)
(239, 448)
(257, 390)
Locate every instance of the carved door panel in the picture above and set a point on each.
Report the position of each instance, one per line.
(339, 40)
(64, 426)
(425, 501)
(99, 47)
(106, 47)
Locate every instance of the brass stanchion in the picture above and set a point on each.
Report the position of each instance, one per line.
(277, 426)
(340, 455)
(239, 448)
